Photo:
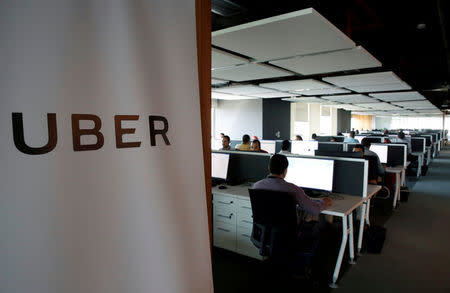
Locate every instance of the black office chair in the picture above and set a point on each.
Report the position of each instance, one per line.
(275, 231)
(373, 169)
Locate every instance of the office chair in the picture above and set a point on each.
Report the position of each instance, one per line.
(275, 231)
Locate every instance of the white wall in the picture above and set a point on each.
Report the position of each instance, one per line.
(383, 122)
(314, 119)
(236, 118)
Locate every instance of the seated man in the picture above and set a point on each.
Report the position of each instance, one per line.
(245, 145)
(226, 144)
(298, 137)
(312, 231)
(351, 138)
(278, 168)
(256, 146)
(285, 146)
(314, 136)
(401, 138)
(366, 144)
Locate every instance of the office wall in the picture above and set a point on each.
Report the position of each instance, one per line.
(383, 122)
(276, 119)
(236, 118)
(343, 120)
(334, 121)
(314, 119)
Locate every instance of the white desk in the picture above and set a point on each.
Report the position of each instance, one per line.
(365, 209)
(397, 171)
(235, 204)
(419, 156)
(428, 155)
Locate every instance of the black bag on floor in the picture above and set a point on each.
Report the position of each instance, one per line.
(424, 170)
(404, 194)
(374, 237)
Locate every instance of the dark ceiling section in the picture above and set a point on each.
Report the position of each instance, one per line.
(409, 38)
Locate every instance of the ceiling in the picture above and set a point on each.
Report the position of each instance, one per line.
(410, 39)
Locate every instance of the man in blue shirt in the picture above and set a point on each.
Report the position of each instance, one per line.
(351, 138)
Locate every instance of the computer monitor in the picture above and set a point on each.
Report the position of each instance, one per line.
(268, 146)
(304, 147)
(381, 151)
(311, 173)
(219, 164)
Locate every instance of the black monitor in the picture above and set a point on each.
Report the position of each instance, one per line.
(418, 144)
(339, 154)
(396, 155)
(331, 146)
(247, 167)
(428, 139)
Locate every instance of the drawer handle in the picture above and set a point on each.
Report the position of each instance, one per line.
(245, 221)
(245, 235)
(225, 230)
(228, 217)
(225, 202)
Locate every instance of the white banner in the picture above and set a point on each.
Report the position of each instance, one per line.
(101, 181)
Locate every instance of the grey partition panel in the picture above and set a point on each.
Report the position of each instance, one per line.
(247, 167)
(396, 155)
(428, 139)
(350, 147)
(278, 146)
(331, 146)
(418, 144)
(349, 177)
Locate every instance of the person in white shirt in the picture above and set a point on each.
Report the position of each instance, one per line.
(285, 146)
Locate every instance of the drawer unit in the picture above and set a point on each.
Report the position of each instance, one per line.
(224, 215)
(224, 201)
(244, 213)
(224, 235)
(244, 245)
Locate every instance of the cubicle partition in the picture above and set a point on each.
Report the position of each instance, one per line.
(418, 144)
(396, 154)
(331, 146)
(338, 138)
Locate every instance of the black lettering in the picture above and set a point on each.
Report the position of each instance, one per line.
(154, 132)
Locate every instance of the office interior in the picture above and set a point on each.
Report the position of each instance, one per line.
(325, 68)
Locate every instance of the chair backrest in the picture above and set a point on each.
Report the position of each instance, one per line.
(373, 167)
(274, 223)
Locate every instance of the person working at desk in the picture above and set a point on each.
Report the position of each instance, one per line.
(226, 144)
(298, 137)
(245, 145)
(256, 146)
(401, 138)
(314, 136)
(285, 146)
(278, 168)
(367, 152)
(351, 138)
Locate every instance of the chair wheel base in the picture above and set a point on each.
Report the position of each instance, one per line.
(333, 286)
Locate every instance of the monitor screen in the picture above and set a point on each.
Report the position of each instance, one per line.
(381, 151)
(303, 147)
(219, 164)
(310, 173)
(268, 146)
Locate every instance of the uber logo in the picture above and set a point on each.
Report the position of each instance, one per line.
(77, 132)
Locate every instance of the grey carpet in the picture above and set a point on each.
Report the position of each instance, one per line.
(416, 253)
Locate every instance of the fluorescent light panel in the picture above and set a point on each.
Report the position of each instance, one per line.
(243, 90)
(299, 86)
(220, 58)
(415, 104)
(222, 96)
(350, 98)
(327, 91)
(380, 106)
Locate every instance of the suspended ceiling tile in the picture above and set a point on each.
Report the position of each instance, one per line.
(299, 86)
(326, 91)
(243, 90)
(349, 107)
(309, 100)
(399, 96)
(285, 35)
(249, 72)
(366, 79)
(380, 87)
(222, 96)
(380, 106)
(355, 58)
(272, 95)
(221, 58)
(350, 99)
(416, 105)
(218, 81)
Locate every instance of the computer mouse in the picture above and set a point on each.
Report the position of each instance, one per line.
(222, 187)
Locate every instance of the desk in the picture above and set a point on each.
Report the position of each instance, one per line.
(232, 212)
(397, 171)
(428, 155)
(419, 156)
